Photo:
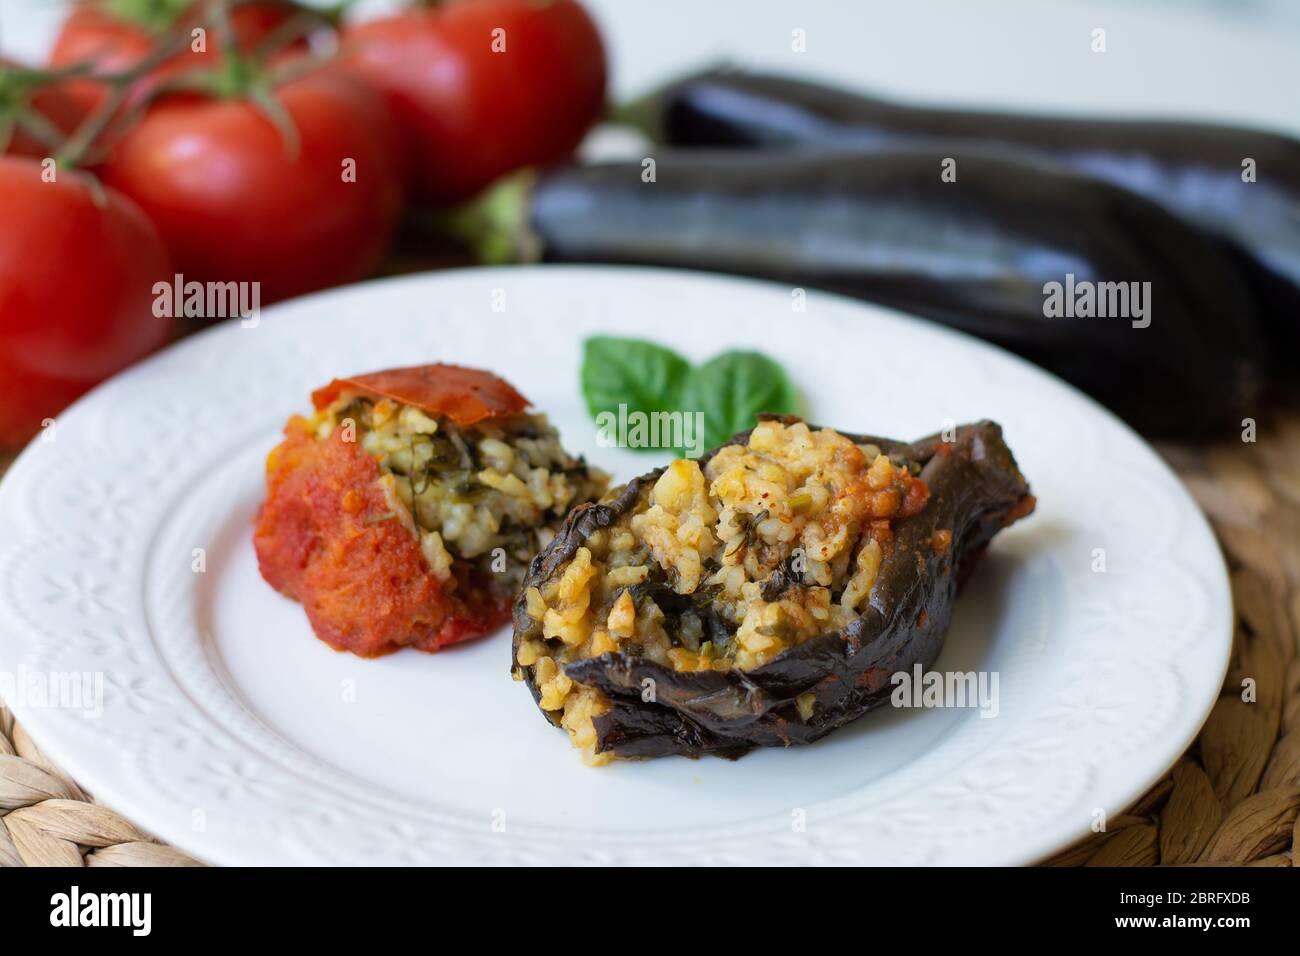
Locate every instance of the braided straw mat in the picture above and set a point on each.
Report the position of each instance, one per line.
(1231, 800)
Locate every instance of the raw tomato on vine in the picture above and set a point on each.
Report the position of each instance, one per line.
(78, 267)
(298, 205)
(484, 87)
(114, 35)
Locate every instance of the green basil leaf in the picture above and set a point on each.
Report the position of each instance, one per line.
(729, 390)
(641, 375)
(732, 389)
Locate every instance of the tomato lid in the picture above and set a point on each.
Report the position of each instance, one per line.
(465, 395)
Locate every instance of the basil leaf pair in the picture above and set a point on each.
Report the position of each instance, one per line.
(624, 376)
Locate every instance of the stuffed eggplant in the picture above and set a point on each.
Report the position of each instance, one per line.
(762, 596)
(405, 510)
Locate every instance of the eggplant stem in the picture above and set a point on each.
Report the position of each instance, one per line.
(495, 225)
(642, 114)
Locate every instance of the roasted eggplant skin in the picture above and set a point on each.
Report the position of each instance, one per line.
(976, 254)
(976, 489)
(1191, 169)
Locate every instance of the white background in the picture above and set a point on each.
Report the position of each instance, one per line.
(1231, 60)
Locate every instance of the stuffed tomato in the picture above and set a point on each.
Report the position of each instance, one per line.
(762, 596)
(404, 512)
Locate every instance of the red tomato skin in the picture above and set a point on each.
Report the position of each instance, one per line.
(76, 292)
(233, 204)
(92, 35)
(472, 115)
(465, 395)
(364, 584)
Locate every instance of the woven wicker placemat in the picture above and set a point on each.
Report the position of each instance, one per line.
(1232, 799)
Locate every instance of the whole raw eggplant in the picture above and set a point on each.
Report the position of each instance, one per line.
(979, 253)
(1192, 169)
(975, 491)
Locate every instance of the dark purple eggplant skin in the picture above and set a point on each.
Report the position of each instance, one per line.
(975, 490)
(1191, 169)
(974, 254)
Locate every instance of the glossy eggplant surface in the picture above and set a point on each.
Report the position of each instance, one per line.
(1093, 282)
(1236, 183)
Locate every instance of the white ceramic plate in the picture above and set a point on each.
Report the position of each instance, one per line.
(230, 731)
